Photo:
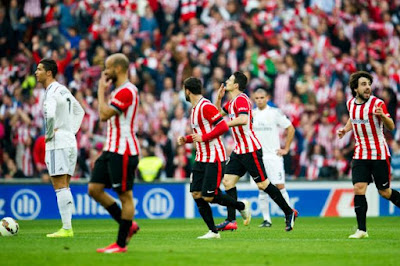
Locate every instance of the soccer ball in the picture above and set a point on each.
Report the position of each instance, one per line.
(8, 227)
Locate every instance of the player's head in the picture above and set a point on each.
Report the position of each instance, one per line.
(237, 80)
(116, 64)
(192, 85)
(46, 69)
(261, 97)
(360, 84)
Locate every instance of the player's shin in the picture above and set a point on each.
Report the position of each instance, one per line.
(361, 207)
(206, 213)
(276, 196)
(65, 206)
(395, 198)
(231, 210)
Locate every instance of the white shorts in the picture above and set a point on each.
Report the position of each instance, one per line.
(61, 161)
(275, 170)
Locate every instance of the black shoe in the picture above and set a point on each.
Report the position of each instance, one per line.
(290, 221)
(265, 224)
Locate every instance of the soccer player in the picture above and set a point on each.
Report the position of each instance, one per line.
(266, 123)
(117, 165)
(63, 117)
(208, 170)
(371, 159)
(247, 154)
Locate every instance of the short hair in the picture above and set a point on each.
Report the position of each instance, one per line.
(120, 59)
(353, 82)
(267, 91)
(193, 85)
(49, 65)
(240, 79)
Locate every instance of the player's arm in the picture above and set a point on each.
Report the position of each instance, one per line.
(51, 106)
(381, 111)
(214, 118)
(342, 131)
(78, 114)
(185, 139)
(289, 138)
(218, 103)
(105, 111)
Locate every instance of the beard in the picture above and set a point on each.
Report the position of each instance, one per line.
(112, 77)
(187, 97)
(361, 97)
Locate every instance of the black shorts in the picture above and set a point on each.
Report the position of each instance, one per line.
(251, 162)
(207, 177)
(369, 171)
(115, 171)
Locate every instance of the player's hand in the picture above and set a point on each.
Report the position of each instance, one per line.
(197, 138)
(181, 140)
(378, 110)
(221, 92)
(104, 83)
(282, 152)
(341, 132)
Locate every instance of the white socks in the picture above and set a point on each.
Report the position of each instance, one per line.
(65, 206)
(264, 199)
(264, 205)
(285, 196)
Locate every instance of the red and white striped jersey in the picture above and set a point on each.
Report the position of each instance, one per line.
(245, 139)
(121, 137)
(203, 119)
(368, 129)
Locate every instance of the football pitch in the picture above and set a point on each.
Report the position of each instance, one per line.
(314, 241)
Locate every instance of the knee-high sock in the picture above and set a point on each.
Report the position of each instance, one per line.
(225, 200)
(206, 213)
(285, 195)
(115, 211)
(123, 231)
(395, 198)
(65, 204)
(361, 207)
(231, 210)
(276, 196)
(263, 202)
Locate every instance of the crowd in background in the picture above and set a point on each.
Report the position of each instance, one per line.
(303, 50)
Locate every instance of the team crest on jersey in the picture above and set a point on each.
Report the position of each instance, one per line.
(360, 121)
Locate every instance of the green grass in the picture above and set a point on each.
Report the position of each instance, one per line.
(315, 241)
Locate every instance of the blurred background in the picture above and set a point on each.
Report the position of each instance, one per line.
(303, 50)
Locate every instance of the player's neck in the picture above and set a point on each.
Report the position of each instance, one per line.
(195, 99)
(235, 93)
(360, 100)
(120, 80)
(48, 82)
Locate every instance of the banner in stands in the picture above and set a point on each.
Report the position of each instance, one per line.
(161, 201)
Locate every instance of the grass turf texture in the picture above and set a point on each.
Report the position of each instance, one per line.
(314, 241)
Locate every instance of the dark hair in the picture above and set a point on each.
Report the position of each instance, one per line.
(240, 79)
(354, 80)
(49, 65)
(193, 85)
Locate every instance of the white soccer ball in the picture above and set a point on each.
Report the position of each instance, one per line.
(8, 227)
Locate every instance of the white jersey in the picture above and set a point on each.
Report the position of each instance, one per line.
(266, 124)
(63, 117)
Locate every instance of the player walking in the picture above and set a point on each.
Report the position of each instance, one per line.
(247, 155)
(116, 166)
(371, 159)
(208, 170)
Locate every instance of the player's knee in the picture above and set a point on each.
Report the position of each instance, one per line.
(208, 199)
(93, 191)
(360, 188)
(385, 193)
(263, 185)
(196, 195)
(228, 183)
